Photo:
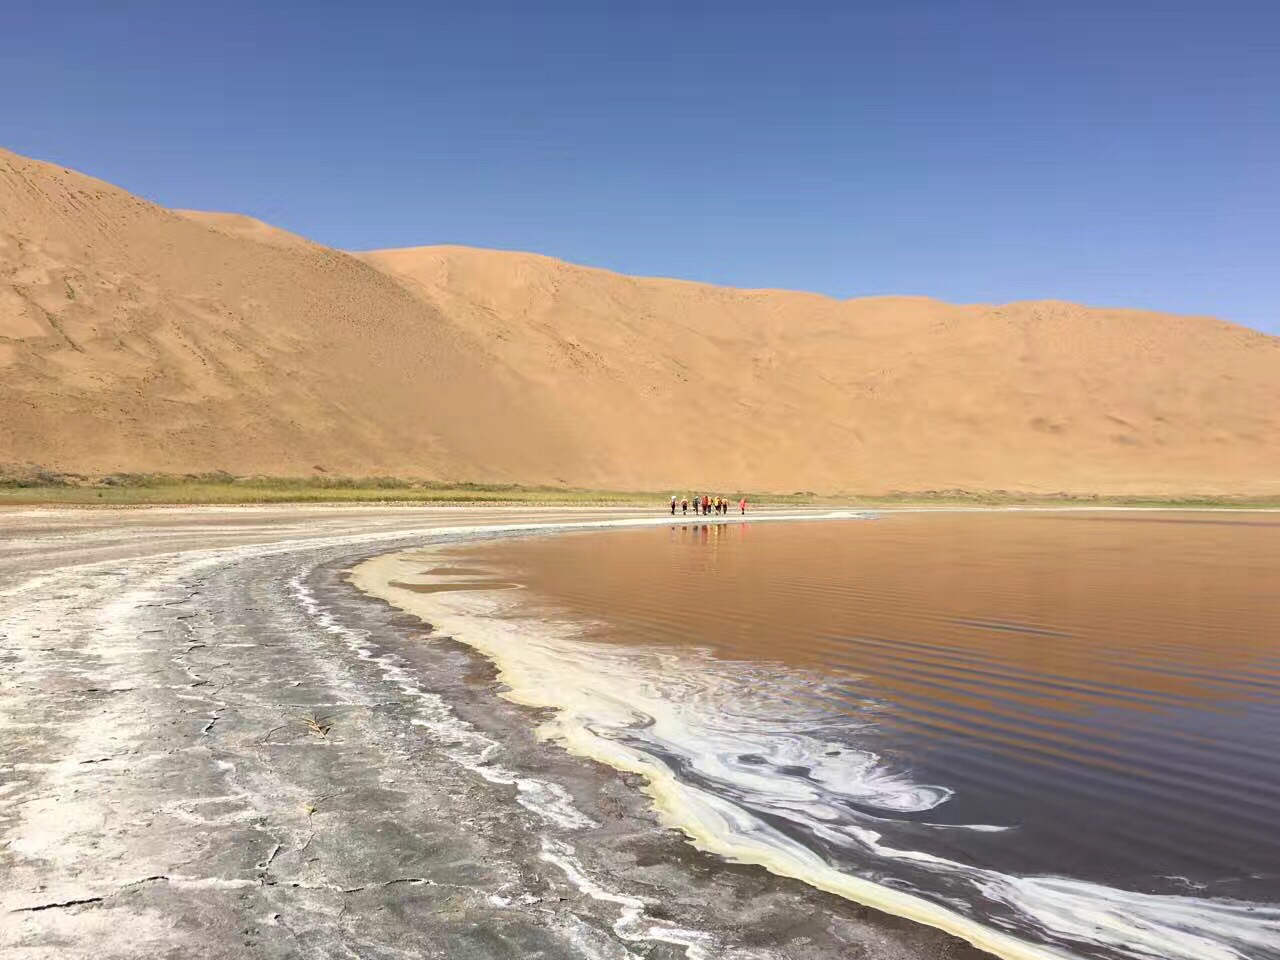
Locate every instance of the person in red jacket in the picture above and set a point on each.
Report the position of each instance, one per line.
(742, 505)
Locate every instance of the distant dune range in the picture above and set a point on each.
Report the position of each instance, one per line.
(139, 339)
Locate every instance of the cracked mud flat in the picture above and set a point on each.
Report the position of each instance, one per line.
(213, 746)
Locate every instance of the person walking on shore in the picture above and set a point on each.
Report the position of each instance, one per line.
(684, 505)
(673, 504)
(706, 505)
(742, 505)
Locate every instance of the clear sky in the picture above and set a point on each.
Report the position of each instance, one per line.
(1119, 152)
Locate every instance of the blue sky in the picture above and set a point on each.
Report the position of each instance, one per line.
(1123, 152)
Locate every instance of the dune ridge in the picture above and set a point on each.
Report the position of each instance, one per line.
(136, 338)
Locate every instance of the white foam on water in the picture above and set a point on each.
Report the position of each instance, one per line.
(728, 750)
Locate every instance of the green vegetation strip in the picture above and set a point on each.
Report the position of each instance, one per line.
(38, 486)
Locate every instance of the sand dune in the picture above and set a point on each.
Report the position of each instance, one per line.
(137, 338)
(250, 228)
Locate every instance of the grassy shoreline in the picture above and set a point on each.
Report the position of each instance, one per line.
(47, 489)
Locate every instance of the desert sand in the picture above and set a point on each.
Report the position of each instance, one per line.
(137, 338)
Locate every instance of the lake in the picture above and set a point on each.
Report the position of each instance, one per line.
(1058, 727)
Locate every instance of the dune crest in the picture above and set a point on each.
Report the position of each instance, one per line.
(142, 339)
(242, 225)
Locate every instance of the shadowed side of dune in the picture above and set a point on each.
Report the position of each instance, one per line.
(134, 338)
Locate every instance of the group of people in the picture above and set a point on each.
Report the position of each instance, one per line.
(705, 504)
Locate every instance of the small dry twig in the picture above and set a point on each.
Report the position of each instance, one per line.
(317, 725)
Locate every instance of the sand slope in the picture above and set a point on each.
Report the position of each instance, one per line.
(137, 338)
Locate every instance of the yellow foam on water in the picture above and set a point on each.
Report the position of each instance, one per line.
(705, 821)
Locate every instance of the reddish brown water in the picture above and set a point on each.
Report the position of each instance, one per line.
(1106, 687)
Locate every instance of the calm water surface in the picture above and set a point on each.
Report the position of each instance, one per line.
(1064, 696)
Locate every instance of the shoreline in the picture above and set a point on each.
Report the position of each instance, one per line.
(646, 511)
(217, 583)
(333, 762)
(374, 576)
(521, 657)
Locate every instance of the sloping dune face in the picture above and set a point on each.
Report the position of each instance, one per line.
(137, 338)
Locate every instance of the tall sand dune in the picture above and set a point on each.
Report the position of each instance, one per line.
(134, 338)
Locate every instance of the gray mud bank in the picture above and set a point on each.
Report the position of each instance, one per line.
(214, 746)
